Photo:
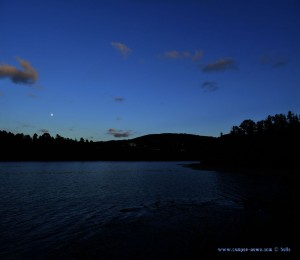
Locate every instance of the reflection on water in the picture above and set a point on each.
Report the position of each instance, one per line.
(131, 209)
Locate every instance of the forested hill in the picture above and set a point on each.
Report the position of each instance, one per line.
(271, 143)
(149, 147)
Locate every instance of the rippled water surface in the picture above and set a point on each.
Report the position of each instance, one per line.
(129, 209)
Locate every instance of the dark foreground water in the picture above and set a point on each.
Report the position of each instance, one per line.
(142, 210)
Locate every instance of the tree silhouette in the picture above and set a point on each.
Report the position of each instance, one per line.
(272, 142)
(248, 127)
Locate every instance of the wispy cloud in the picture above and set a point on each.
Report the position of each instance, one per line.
(210, 86)
(26, 125)
(275, 62)
(118, 133)
(31, 95)
(38, 87)
(43, 130)
(198, 54)
(279, 63)
(119, 99)
(172, 54)
(28, 75)
(122, 48)
(220, 65)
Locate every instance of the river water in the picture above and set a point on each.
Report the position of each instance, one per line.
(139, 210)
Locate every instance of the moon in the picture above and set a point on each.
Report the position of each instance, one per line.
(51, 114)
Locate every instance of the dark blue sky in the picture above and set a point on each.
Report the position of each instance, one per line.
(113, 69)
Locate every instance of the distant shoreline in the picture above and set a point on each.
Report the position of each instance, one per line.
(243, 170)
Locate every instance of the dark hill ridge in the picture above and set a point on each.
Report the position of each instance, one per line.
(270, 143)
(169, 138)
(167, 146)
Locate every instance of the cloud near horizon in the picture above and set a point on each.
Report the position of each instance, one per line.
(43, 130)
(28, 75)
(26, 125)
(198, 54)
(221, 65)
(210, 86)
(122, 48)
(118, 133)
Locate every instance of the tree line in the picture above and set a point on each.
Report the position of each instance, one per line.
(151, 147)
(45, 138)
(42, 147)
(271, 143)
(272, 125)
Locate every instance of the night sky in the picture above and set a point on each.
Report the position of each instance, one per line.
(106, 70)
